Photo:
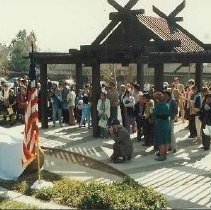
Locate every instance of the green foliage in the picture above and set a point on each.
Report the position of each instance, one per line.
(65, 191)
(127, 194)
(19, 47)
(4, 51)
(45, 194)
(9, 204)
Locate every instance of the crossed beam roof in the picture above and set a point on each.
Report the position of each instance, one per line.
(165, 30)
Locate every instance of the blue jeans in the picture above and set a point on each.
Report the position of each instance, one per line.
(85, 117)
(56, 111)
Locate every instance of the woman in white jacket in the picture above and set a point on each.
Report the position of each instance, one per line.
(103, 108)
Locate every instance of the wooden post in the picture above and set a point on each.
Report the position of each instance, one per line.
(44, 96)
(96, 89)
(79, 77)
(140, 75)
(159, 76)
(198, 75)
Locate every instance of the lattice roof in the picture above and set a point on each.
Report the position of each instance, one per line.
(161, 28)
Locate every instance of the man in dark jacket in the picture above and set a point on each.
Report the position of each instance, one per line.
(123, 146)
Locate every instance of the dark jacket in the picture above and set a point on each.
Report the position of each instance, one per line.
(205, 114)
(137, 110)
(173, 106)
(123, 141)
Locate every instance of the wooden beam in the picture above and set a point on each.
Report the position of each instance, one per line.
(130, 46)
(96, 89)
(140, 75)
(208, 46)
(131, 4)
(172, 19)
(175, 19)
(159, 12)
(44, 96)
(178, 68)
(159, 76)
(116, 5)
(200, 43)
(123, 15)
(113, 23)
(174, 57)
(79, 77)
(105, 32)
(198, 75)
(178, 9)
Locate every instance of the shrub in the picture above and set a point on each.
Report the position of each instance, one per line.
(44, 194)
(124, 195)
(22, 187)
(127, 194)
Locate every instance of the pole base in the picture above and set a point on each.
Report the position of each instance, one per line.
(41, 184)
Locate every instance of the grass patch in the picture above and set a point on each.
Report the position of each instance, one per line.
(10, 204)
(127, 194)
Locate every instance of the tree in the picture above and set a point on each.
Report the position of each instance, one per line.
(19, 47)
(4, 52)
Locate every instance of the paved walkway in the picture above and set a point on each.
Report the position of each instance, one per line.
(184, 178)
(65, 167)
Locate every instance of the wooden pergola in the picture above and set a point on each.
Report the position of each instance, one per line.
(130, 37)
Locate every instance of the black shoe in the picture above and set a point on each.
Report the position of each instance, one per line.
(174, 151)
(157, 153)
(128, 157)
(119, 160)
(160, 158)
(206, 148)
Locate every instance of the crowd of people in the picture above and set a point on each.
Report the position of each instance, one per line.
(152, 115)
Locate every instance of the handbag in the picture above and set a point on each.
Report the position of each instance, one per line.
(103, 122)
(207, 130)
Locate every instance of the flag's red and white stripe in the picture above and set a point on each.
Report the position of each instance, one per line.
(31, 132)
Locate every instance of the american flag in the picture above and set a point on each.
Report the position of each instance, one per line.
(31, 131)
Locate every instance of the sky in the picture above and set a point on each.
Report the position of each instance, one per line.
(61, 25)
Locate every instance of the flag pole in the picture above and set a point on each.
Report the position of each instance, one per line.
(38, 160)
(32, 77)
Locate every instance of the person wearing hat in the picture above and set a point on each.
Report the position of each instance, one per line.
(4, 99)
(123, 146)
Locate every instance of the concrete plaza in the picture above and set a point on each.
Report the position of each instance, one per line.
(184, 178)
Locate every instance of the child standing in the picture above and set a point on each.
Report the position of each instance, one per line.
(86, 111)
